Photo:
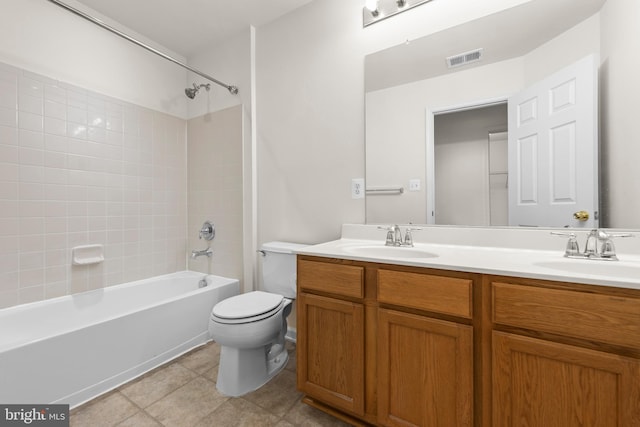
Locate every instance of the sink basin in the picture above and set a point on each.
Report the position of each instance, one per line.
(389, 252)
(611, 269)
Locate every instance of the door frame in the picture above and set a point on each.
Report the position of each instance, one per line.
(430, 143)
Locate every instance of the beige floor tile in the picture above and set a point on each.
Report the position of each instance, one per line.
(188, 404)
(238, 412)
(278, 395)
(155, 386)
(103, 412)
(291, 365)
(202, 360)
(141, 419)
(304, 415)
(183, 394)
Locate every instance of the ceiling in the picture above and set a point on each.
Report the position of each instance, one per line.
(190, 26)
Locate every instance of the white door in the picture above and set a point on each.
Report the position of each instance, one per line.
(553, 146)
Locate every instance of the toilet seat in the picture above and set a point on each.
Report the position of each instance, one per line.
(249, 307)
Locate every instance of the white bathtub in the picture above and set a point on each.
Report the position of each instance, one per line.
(71, 349)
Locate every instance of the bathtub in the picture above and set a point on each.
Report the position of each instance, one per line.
(73, 348)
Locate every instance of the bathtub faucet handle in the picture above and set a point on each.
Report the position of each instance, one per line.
(208, 231)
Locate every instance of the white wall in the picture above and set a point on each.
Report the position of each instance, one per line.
(620, 90)
(230, 62)
(310, 108)
(41, 37)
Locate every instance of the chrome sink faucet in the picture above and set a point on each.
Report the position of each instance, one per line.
(394, 236)
(599, 245)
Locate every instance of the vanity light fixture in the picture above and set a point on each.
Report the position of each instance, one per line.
(377, 10)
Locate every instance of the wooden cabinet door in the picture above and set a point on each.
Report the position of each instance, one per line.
(539, 383)
(330, 351)
(425, 371)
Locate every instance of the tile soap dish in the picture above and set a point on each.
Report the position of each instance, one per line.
(87, 254)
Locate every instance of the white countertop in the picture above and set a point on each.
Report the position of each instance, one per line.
(503, 257)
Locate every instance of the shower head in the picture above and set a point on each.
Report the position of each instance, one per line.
(192, 91)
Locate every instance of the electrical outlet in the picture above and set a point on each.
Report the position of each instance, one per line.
(414, 185)
(357, 188)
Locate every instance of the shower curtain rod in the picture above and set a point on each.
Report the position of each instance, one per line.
(232, 89)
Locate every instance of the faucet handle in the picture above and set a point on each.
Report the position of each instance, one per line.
(616, 235)
(608, 249)
(390, 236)
(572, 248)
(408, 237)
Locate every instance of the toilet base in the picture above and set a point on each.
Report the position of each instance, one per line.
(244, 370)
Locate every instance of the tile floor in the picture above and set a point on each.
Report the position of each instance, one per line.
(182, 393)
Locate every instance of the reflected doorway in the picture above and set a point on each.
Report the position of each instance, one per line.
(470, 166)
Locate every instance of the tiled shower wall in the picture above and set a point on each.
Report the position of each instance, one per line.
(215, 190)
(81, 168)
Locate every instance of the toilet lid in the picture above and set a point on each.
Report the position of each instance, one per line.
(246, 305)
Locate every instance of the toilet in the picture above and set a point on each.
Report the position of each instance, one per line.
(251, 327)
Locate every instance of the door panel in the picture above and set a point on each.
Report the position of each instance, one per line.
(553, 145)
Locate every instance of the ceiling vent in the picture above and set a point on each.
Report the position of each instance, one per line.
(464, 58)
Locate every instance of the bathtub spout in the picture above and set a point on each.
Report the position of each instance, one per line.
(208, 252)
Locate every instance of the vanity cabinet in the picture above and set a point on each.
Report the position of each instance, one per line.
(384, 345)
(564, 355)
(389, 345)
(330, 329)
(425, 364)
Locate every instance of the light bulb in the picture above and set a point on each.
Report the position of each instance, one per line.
(372, 5)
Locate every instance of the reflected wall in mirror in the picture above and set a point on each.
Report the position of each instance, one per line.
(408, 84)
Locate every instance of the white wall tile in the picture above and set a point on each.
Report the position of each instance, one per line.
(54, 126)
(29, 139)
(77, 168)
(31, 104)
(8, 117)
(8, 94)
(30, 121)
(8, 190)
(9, 153)
(9, 281)
(8, 135)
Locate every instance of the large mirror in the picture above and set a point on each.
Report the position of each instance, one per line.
(436, 136)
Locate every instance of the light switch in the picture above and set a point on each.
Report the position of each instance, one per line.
(414, 185)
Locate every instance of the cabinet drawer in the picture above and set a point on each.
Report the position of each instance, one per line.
(447, 295)
(604, 318)
(338, 279)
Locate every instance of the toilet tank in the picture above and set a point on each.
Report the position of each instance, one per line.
(279, 268)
